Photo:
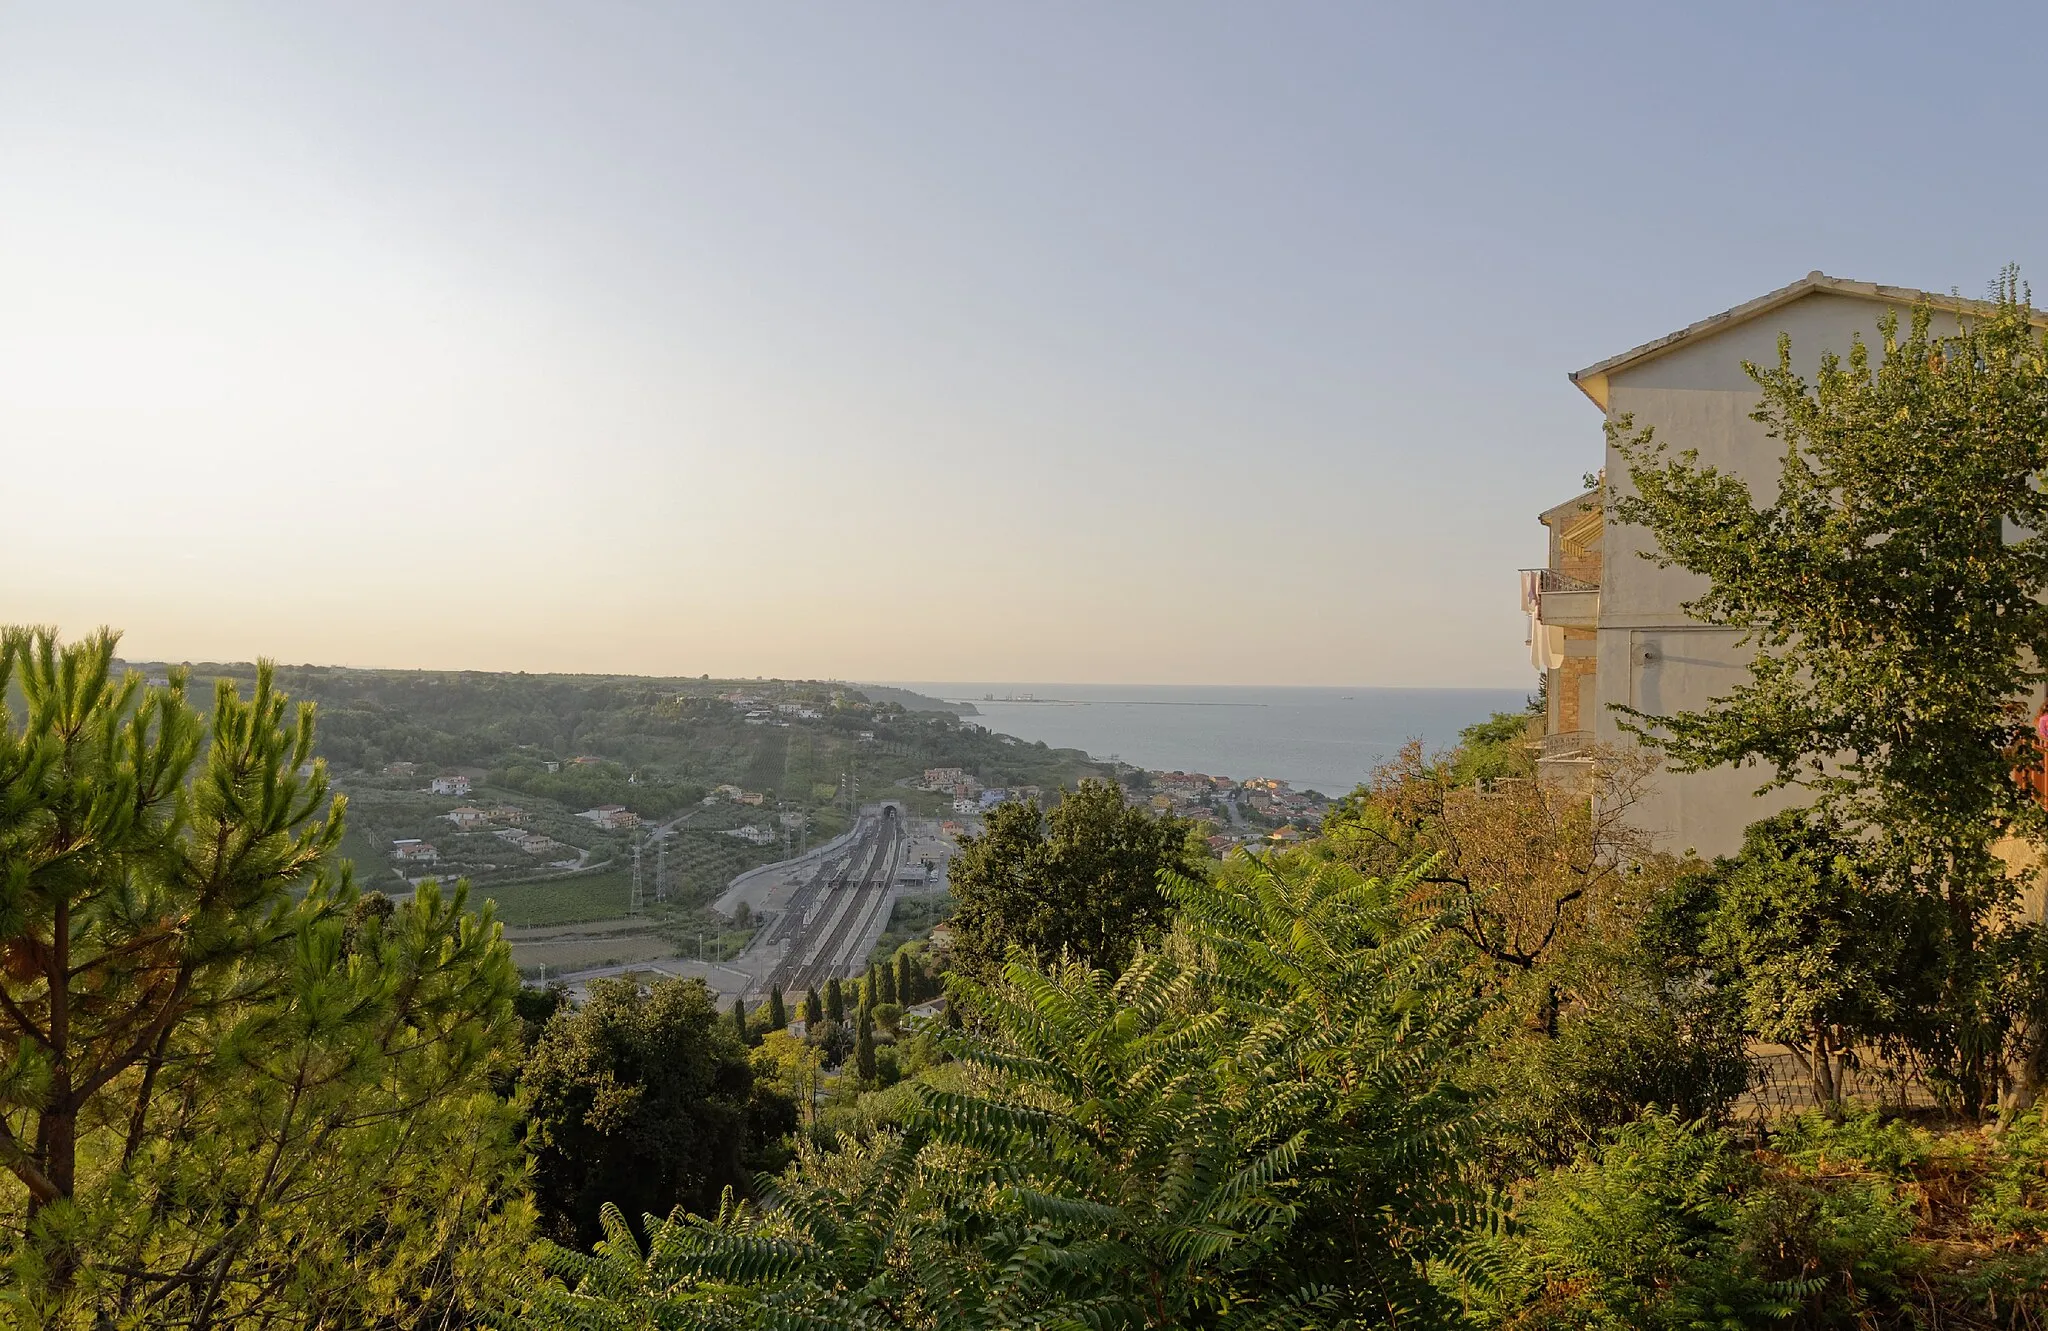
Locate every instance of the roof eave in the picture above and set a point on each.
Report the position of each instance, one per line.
(1593, 381)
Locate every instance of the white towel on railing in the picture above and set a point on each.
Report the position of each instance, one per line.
(1546, 644)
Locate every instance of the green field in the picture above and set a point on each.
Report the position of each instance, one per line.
(576, 900)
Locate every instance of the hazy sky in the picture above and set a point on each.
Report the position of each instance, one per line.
(1176, 342)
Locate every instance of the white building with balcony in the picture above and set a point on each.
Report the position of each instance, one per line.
(1608, 628)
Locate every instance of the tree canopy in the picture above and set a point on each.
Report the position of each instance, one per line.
(1894, 582)
(1084, 879)
(641, 1097)
(1255, 1126)
(227, 1094)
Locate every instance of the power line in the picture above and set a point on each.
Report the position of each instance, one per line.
(633, 906)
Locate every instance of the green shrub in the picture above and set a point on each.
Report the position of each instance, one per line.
(1864, 1222)
(1640, 1039)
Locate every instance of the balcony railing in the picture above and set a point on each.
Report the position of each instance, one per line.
(1550, 580)
(1565, 744)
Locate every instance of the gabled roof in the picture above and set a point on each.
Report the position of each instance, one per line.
(1570, 509)
(1592, 380)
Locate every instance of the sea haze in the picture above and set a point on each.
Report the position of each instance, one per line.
(1326, 739)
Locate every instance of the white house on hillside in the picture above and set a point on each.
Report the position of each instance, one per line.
(1607, 626)
(611, 817)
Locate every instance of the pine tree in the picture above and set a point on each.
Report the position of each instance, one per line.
(864, 1049)
(814, 1010)
(889, 982)
(200, 1010)
(778, 1016)
(835, 1000)
(739, 1019)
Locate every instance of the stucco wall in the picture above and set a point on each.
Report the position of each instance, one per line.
(1651, 654)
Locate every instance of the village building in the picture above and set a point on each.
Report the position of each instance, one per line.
(449, 785)
(611, 817)
(1607, 627)
(466, 817)
(412, 850)
(919, 1015)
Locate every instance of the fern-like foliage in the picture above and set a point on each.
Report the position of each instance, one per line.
(1254, 1126)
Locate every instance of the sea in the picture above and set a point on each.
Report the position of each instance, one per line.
(1322, 739)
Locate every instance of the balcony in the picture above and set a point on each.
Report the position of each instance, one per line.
(1565, 760)
(1550, 580)
(1563, 601)
(1577, 609)
(1565, 744)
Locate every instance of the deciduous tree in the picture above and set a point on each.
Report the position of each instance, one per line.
(1520, 867)
(1084, 879)
(1255, 1126)
(638, 1097)
(1820, 954)
(1894, 581)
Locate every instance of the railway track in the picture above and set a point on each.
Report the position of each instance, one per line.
(830, 914)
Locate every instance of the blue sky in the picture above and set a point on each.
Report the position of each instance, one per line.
(1143, 343)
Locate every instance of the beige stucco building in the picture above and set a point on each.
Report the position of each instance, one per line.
(1607, 627)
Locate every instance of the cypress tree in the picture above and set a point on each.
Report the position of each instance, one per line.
(870, 988)
(864, 1049)
(814, 1011)
(778, 1016)
(739, 1018)
(835, 1000)
(889, 982)
(906, 980)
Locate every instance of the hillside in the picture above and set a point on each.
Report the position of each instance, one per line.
(537, 750)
